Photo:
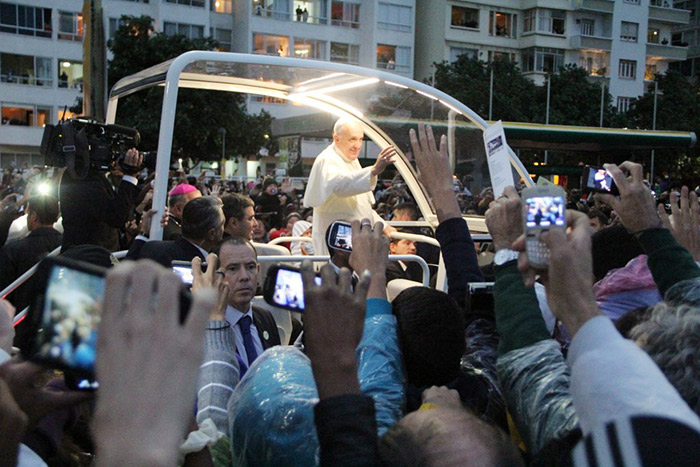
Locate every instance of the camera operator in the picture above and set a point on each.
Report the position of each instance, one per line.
(93, 209)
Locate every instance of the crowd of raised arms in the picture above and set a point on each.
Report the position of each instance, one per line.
(592, 360)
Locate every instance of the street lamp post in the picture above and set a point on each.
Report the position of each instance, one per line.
(222, 130)
(653, 127)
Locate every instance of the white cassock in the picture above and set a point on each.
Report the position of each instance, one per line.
(338, 189)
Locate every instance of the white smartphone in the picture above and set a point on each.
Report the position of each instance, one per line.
(543, 210)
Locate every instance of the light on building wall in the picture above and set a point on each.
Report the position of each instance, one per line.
(66, 64)
(217, 4)
(215, 165)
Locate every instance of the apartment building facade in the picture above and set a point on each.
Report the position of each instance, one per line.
(688, 35)
(622, 42)
(41, 48)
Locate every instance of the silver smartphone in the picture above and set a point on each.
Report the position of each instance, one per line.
(543, 210)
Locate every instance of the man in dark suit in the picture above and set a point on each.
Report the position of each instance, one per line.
(399, 269)
(255, 328)
(17, 257)
(202, 229)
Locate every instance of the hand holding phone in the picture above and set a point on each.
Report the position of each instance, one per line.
(543, 210)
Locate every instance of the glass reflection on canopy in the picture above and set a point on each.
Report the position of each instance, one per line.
(388, 105)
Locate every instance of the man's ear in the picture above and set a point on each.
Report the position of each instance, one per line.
(231, 225)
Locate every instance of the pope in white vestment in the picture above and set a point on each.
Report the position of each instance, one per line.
(339, 188)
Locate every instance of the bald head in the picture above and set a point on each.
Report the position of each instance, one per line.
(447, 436)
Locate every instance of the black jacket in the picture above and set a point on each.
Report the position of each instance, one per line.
(93, 211)
(265, 323)
(17, 257)
(164, 252)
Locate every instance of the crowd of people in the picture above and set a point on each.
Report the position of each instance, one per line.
(593, 360)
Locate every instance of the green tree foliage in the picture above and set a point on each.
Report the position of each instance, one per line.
(468, 80)
(574, 99)
(677, 104)
(200, 114)
(677, 109)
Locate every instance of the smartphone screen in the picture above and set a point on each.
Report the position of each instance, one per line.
(598, 179)
(70, 316)
(342, 236)
(545, 211)
(288, 289)
(185, 274)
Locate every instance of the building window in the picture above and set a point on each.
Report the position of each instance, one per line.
(394, 17)
(70, 26)
(650, 72)
(114, 25)
(653, 36)
(308, 48)
(391, 57)
(311, 11)
(223, 37)
(587, 64)
(542, 59)
(455, 53)
(345, 53)
(266, 44)
(191, 31)
(345, 14)
(278, 9)
(222, 6)
(25, 115)
(26, 69)
(624, 104)
(463, 17)
(551, 21)
(27, 20)
(197, 3)
(587, 27)
(629, 31)
(636, 2)
(502, 24)
(495, 56)
(628, 69)
(530, 20)
(70, 74)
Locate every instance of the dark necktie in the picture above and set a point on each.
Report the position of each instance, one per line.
(245, 323)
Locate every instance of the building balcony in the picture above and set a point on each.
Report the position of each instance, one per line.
(591, 42)
(667, 52)
(13, 135)
(604, 6)
(668, 15)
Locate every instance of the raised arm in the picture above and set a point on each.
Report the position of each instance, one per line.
(669, 262)
(456, 243)
(610, 376)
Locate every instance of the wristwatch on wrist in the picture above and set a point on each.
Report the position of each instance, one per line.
(503, 256)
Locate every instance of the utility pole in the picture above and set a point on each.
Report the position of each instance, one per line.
(546, 116)
(653, 127)
(94, 61)
(491, 96)
(602, 103)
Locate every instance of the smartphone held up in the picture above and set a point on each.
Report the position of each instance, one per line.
(598, 180)
(543, 210)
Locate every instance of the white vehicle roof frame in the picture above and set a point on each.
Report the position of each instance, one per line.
(171, 74)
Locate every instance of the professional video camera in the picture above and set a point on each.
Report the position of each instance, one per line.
(81, 143)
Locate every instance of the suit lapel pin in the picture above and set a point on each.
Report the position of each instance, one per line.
(266, 336)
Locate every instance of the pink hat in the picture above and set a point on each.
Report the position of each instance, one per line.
(182, 189)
